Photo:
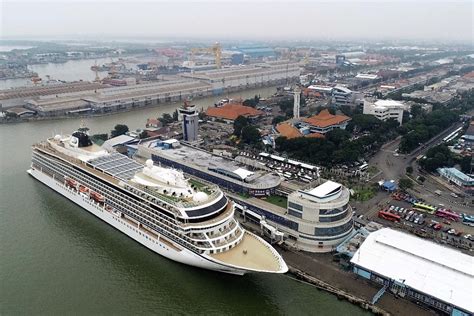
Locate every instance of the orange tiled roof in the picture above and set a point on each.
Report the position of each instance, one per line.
(469, 75)
(315, 135)
(288, 130)
(325, 119)
(232, 111)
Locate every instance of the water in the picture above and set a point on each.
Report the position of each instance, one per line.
(56, 258)
(72, 70)
(9, 48)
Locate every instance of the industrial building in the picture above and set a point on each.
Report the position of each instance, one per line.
(89, 98)
(385, 109)
(417, 269)
(223, 171)
(248, 76)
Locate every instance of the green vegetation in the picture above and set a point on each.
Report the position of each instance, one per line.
(277, 200)
(250, 135)
(99, 139)
(363, 193)
(440, 156)
(278, 119)
(239, 123)
(425, 126)
(405, 184)
(118, 130)
(199, 186)
(409, 169)
(338, 147)
(252, 102)
(244, 195)
(247, 133)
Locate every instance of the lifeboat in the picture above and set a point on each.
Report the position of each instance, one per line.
(71, 183)
(83, 189)
(97, 197)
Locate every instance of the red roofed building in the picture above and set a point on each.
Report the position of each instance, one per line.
(230, 112)
(289, 131)
(325, 122)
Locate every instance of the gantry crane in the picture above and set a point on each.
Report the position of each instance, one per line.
(214, 49)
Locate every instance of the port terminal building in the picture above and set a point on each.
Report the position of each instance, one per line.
(228, 173)
(419, 270)
(315, 220)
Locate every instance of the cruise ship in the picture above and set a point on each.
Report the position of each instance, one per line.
(179, 218)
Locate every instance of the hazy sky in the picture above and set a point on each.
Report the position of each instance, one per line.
(226, 19)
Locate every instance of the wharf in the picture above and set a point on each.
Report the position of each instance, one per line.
(320, 271)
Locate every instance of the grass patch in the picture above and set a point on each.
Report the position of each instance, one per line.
(277, 200)
(200, 186)
(363, 193)
(244, 195)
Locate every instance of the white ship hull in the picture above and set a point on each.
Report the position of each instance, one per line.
(159, 244)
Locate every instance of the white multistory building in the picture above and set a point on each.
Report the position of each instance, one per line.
(321, 217)
(385, 109)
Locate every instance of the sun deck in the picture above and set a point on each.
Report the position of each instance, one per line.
(252, 253)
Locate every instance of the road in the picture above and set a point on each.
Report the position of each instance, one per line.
(393, 167)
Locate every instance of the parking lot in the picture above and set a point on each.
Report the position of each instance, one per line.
(426, 225)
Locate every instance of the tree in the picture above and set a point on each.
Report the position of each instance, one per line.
(143, 135)
(175, 116)
(416, 110)
(118, 130)
(465, 164)
(101, 137)
(166, 119)
(405, 184)
(239, 123)
(250, 135)
(409, 169)
(278, 119)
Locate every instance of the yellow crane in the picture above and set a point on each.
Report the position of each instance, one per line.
(214, 49)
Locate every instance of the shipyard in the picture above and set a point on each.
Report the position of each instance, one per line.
(224, 157)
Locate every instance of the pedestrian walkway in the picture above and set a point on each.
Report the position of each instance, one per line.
(379, 294)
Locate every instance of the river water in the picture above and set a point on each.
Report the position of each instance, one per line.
(55, 258)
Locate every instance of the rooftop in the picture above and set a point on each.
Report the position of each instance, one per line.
(232, 111)
(287, 130)
(326, 119)
(324, 190)
(388, 103)
(441, 272)
(226, 167)
(458, 174)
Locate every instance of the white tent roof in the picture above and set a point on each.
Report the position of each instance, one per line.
(324, 189)
(243, 173)
(441, 272)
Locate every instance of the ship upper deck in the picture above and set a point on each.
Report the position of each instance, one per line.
(253, 254)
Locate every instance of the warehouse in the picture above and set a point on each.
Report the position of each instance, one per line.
(419, 270)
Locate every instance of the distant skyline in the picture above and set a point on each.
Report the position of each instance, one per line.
(234, 20)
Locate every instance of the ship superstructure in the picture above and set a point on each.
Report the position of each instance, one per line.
(179, 218)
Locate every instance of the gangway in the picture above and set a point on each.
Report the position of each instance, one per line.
(379, 294)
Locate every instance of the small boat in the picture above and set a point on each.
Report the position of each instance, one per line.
(71, 183)
(97, 197)
(83, 189)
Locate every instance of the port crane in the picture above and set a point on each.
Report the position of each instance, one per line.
(214, 49)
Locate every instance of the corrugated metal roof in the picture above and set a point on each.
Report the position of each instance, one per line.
(429, 268)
